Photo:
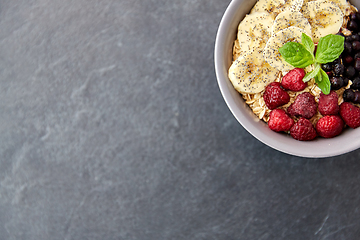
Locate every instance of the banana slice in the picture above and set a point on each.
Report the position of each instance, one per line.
(324, 17)
(275, 7)
(287, 19)
(254, 31)
(271, 51)
(250, 73)
(344, 5)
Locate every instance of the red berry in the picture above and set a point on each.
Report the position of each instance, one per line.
(293, 80)
(280, 121)
(275, 96)
(303, 106)
(303, 130)
(350, 114)
(329, 126)
(328, 104)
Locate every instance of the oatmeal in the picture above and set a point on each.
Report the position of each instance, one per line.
(271, 24)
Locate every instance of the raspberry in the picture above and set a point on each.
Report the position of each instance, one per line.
(329, 126)
(303, 106)
(293, 80)
(328, 104)
(275, 96)
(280, 121)
(303, 130)
(350, 114)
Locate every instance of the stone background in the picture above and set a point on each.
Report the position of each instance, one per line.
(112, 127)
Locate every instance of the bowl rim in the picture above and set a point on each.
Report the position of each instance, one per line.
(328, 149)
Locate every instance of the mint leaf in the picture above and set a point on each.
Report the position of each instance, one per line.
(329, 48)
(312, 74)
(296, 55)
(307, 42)
(323, 82)
(299, 55)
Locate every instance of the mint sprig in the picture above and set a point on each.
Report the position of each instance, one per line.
(296, 54)
(301, 55)
(329, 48)
(307, 42)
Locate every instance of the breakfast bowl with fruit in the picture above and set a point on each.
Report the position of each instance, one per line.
(289, 71)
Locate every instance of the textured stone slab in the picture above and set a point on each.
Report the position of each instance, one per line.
(112, 127)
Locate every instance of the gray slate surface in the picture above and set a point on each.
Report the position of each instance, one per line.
(112, 127)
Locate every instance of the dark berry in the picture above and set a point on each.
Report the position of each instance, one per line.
(354, 37)
(330, 74)
(357, 55)
(352, 25)
(347, 47)
(355, 45)
(327, 67)
(353, 16)
(355, 83)
(336, 61)
(336, 83)
(339, 69)
(350, 71)
(348, 95)
(357, 64)
(357, 15)
(346, 81)
(348, 59)
(356, 97)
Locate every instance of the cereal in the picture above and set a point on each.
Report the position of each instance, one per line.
(255, 100)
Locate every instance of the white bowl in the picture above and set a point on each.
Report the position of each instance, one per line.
(348, 141)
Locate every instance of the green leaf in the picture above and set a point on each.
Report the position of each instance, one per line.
(329, 48)
(296, 55)
(312, 74)
(323, 82)
(307, 42)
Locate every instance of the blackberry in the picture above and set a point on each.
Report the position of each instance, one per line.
(356, 97)
(350, 71)
(355, 45)
(347, 47)
(327, 67)
(352, 25)
(353, 16)
(336, 61)
(336, 83)
(348, 59)
(357, 64)
(356, 83)
(357, 55)
(339, 69)
(354, 37)
(348, 95)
